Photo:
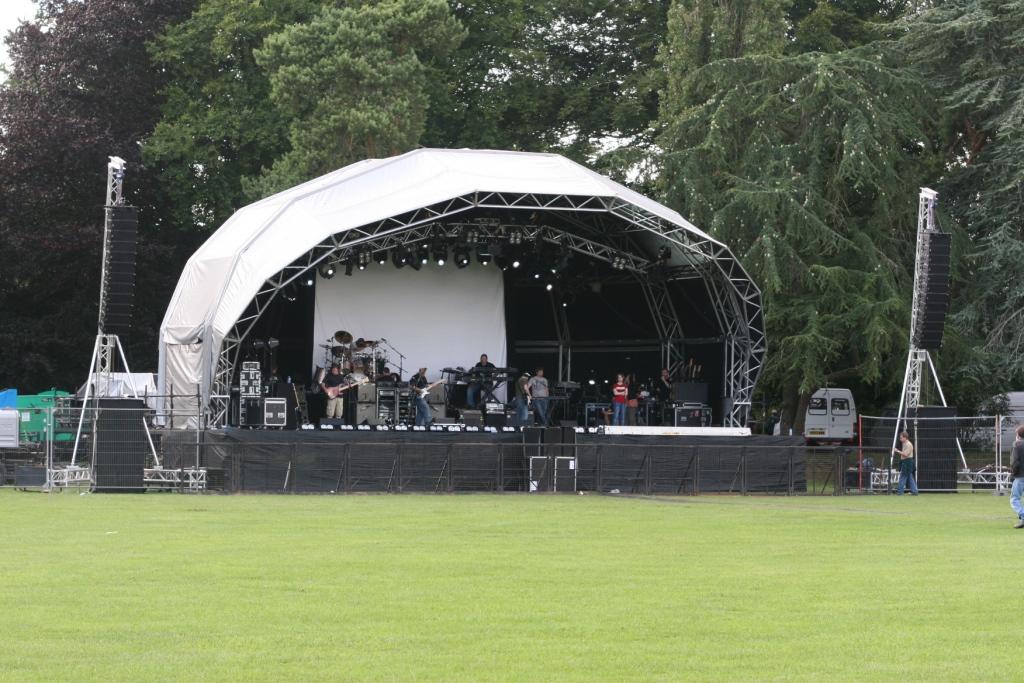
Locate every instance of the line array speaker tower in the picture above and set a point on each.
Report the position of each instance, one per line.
(118, 287)
(934, 303)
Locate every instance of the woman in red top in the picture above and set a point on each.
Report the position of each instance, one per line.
(619, 392)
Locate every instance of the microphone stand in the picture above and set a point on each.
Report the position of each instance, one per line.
(401, 371)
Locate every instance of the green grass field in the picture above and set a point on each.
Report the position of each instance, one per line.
(486, 587)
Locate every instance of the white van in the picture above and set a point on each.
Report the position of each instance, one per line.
(831, 417)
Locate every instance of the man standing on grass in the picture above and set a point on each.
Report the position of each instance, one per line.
(906, 453)
(1017, 472)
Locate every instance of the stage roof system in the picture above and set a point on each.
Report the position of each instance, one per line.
(385, 203)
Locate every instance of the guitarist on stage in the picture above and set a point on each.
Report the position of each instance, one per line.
(418, 383)
(333, 380)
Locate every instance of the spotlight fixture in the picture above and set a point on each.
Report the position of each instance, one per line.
(664, 253)
(310, 280)
(472, 236)
(619, 262)
(516, 263)
(382, 257)
(327, 271)
(440, 251)
(348, 266)
(483, 255)
(515, 236)
(290, 293)
(364, 259)
(549, 286)
(461, 256)
(423, 254)
(399, 257)
(273, 343)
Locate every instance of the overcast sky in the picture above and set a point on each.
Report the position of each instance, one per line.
(11, 11)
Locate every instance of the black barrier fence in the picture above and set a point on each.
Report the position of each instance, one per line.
(510, 466)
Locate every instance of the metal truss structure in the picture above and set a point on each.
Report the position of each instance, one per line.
(107, 348)
(913, 375)
(191, 479)
(606, 229)
(63, 477)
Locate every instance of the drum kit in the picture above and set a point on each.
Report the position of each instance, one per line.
(369, 355)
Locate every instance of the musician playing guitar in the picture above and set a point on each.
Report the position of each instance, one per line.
(334, 385)
(419, 384)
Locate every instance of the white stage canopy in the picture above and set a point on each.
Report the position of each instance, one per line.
(225, 284)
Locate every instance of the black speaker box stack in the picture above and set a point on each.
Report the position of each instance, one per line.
(119, 269)
(934, 303)
(121, 446)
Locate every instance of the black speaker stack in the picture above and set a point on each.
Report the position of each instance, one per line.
(933, 302)
(121, 446)
(119, 269)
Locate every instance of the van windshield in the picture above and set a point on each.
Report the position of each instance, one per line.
(817, 406)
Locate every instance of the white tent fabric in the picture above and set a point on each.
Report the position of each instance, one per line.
(227, 271)
(123, 385)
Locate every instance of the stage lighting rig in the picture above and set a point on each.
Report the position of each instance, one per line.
(483, 255)
(440, 251)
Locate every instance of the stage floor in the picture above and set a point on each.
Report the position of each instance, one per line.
(553, 459)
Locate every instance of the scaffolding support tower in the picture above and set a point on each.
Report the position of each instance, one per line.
(918, 358)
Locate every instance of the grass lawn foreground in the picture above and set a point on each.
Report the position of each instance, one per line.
(513, 587)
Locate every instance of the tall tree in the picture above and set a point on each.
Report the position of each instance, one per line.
(217, 125)
(352, 83)
(80, 88)
(972, 54)
(806, 164)
(578, 77)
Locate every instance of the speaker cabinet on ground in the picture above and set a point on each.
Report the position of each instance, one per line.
(935, 447)
(121, 447)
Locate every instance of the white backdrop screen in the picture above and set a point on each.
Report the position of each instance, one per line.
(437, 317)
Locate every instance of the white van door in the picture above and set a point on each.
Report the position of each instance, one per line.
(841, 418)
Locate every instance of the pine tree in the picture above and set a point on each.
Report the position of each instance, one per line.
(972, 54)
(807, 165)
(352, 84)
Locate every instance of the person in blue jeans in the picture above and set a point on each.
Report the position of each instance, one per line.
(619, 392)
(418, 382)
(906, 453)
(1017, 472)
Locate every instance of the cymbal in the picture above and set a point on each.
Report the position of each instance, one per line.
(339, 351)
(365, 343)
(325, 346)
(343, 337)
